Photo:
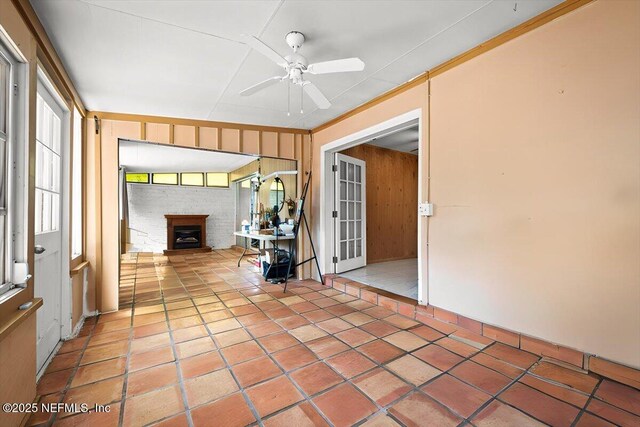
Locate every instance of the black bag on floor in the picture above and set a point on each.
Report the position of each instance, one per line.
(279, 269)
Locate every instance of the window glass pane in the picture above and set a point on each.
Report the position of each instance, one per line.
(56, 134)
(165, 178)
(39, 210)
(76, 186)
(4, 99)
(140, 178)
(39, 118)
(194, 179)
(55, 212)
(46, 211)
(55, 172)
(217, 179)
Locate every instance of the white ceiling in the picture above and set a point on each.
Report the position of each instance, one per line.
(184, 58)
(405, 140)
(146, 157)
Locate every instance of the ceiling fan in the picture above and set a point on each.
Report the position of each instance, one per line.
(296, 65)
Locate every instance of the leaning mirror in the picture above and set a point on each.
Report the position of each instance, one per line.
(276, 194)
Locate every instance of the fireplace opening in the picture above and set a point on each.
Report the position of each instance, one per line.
(186, 236)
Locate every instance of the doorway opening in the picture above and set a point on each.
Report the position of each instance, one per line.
(371, 192)
(177, 202)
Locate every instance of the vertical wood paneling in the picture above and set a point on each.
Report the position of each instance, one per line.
(209, 138)
(392, 200)
(304, 166)
(286, 148)
(251, 141)
(157, 132)
(230, 140)
(184, 136)
(270, 144)
(111, 131)
(269, 165)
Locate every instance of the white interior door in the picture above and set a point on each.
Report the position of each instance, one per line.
(350, 213)
(48, 222)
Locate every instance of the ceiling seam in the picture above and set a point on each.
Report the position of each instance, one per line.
(157, 21)
(444, 30)
(226, 88)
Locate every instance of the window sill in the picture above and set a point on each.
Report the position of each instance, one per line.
(18, 317)
(78, 268)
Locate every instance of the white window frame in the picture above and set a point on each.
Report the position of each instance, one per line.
(16, 171)
(76, 186)
(6, 196)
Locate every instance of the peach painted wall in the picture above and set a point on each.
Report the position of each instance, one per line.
(535, 175)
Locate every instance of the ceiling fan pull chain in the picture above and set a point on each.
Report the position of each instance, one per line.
(301, 99)
(288, 98)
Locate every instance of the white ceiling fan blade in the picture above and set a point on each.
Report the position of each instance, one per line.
(336, 66)
(258, 45)
(316, 96)
(259, 86)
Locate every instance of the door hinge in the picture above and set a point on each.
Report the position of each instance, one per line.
(334, 214)
(334, 168)
(97, 123)
(15, 89)
(335, 259)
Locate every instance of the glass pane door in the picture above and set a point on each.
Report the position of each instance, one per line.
(351, 209)
(48, 161)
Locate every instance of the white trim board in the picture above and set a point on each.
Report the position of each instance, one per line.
(326, 243)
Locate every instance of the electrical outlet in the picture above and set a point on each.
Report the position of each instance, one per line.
(425, 209)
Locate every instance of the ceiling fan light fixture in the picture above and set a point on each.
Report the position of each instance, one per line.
(295, 40)
(296, 65)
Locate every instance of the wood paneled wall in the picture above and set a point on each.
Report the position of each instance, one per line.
(269, 165)
(392, 200)
(102, 161)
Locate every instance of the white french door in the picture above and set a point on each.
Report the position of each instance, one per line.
(349, 213)
(48, 221)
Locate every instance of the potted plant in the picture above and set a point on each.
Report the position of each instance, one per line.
(291, 206)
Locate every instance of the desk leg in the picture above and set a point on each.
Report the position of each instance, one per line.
(243, 252)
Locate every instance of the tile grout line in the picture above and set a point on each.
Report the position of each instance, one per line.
(253, 410)
(584, 408)
(350, 347)
(67, 386)
(175, 354)
(232, 288)
(125, 383)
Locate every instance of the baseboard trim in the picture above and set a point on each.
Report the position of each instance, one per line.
(431, 315)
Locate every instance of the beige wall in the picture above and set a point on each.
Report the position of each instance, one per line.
(535, 174)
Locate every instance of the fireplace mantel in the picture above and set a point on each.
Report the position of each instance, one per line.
(174, 220)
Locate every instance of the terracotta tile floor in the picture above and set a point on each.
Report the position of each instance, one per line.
(201, 342)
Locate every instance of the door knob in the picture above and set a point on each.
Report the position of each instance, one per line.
(39, 249)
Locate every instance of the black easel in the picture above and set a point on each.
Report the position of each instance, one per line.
(300, 217)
